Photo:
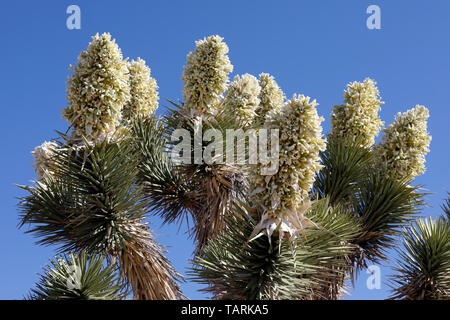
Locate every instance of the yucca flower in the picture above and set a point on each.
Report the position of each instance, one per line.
(98, 90)
(282, 197)
(42, 160)
(205, 76)
(358, 116)
(405, 143)
(143, 90)
(242, 98)
(271, 97)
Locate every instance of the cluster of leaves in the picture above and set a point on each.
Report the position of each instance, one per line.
(90, 203)
(423, 270)
(270, 268)
(381, 203)
(95, 204)
(78, 277)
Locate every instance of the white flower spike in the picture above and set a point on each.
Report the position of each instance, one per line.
(405, 143)
(271, 98)
(283, 197)
(242, 99)
(358, 116)
(43, 160)
(143, 90)
(205, 76)
(98, 90)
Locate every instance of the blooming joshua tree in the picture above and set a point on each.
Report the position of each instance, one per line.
(300, 231)
(95, 178)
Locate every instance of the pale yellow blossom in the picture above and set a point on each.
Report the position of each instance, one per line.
(205, 76)
(98, 90)
(143, 90)
(43, 155)
(358, 117)
(271, 97)
(405, 143)
(282, 197)
(241, 99)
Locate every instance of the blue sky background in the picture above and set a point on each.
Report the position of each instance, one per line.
(312, 47)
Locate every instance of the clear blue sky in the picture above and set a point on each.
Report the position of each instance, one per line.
(312, 47)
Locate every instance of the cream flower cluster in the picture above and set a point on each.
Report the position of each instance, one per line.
(358, 117)
(143, 91)
(242, 99)
(42, 160)
(98, 90)
(205, 76)
(271, 97)
(282, 197)
(405, 143)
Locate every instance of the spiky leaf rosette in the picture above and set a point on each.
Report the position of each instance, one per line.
(405, 144)
(269, 267)
(213, 182)
(95, 185)
(79, 277)
(423, 270)
(98, 90)
(143, 91)
(271, 98)
(344, 164)
(167, 192)
(281, 197)
(235, 269)
(358, 116)
(205, 75)
(95, 205)
(337, 227)
(242, 98)
(384, 205)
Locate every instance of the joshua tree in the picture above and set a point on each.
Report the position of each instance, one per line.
(332, 205)
(87, 197)
(370, 203)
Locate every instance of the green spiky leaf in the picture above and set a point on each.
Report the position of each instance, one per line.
(78, 277)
